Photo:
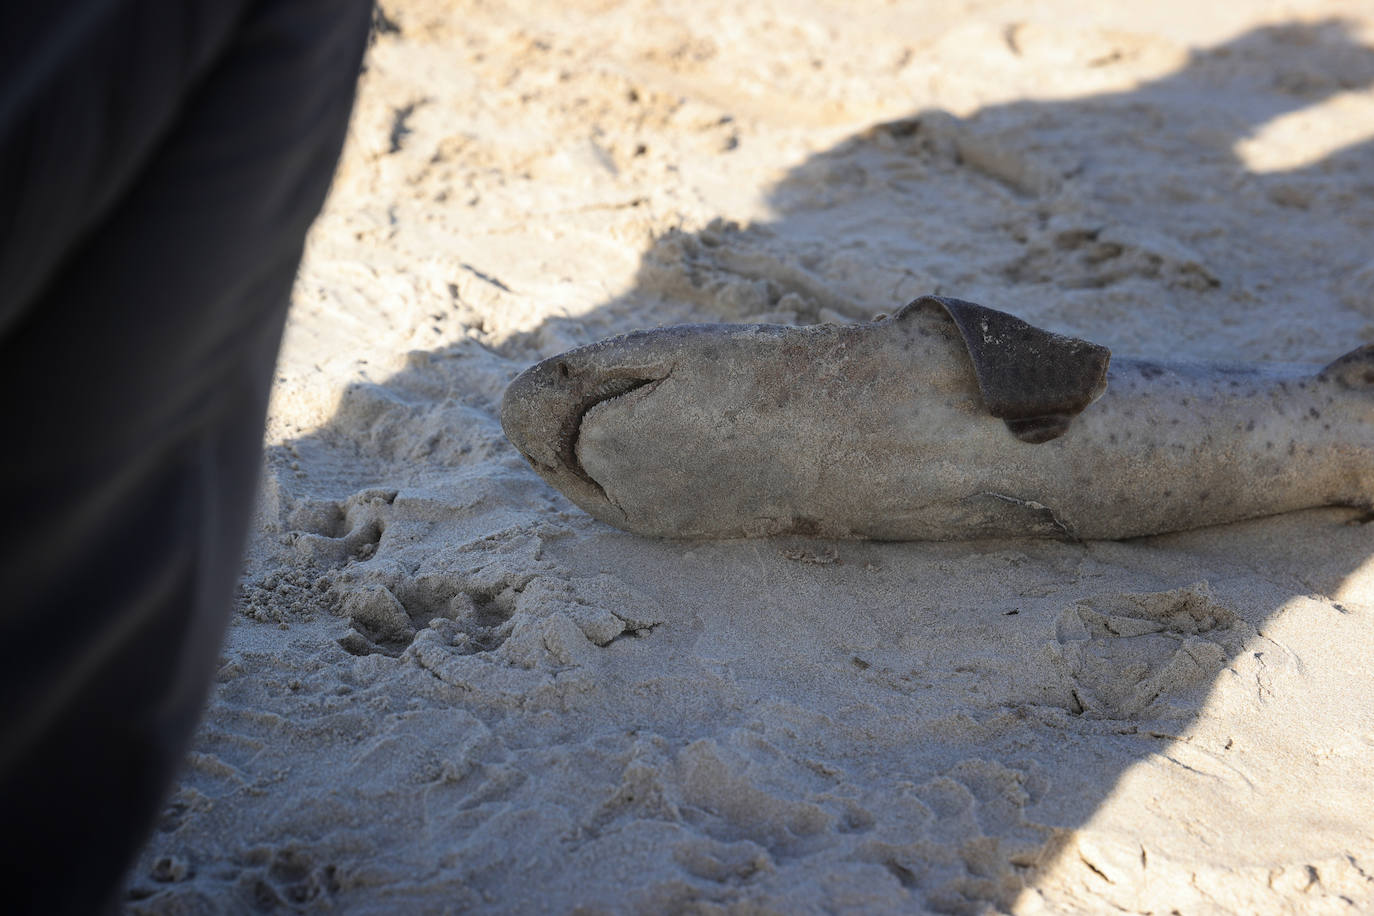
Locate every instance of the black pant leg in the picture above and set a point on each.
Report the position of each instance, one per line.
(133, 378)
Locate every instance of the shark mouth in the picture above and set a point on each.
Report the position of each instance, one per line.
(571, 429)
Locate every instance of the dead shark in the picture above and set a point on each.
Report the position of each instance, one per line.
(946, 420)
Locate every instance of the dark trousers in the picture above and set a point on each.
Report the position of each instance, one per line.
(160, 163)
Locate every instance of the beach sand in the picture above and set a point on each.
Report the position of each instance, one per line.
(446, 689)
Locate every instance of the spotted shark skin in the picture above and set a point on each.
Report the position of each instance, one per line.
(945, 420)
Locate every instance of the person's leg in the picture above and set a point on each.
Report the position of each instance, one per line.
(136, 349)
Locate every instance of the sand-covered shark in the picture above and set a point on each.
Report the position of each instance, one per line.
(945, 420)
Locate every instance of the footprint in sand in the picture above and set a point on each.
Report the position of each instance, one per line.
(1146, 656)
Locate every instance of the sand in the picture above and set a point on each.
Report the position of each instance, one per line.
(446, 689)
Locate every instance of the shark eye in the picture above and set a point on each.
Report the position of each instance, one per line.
(562, 369)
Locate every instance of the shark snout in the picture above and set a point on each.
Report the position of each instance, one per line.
(543, 408)
(535, 408)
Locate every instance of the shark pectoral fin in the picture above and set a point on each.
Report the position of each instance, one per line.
(1034, 380)
(1353, 370)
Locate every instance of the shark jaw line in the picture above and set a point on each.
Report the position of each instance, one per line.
(571, 430)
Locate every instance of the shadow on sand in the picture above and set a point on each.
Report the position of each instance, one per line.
(936, 725)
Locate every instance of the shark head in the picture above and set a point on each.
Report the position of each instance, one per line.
(543, 408)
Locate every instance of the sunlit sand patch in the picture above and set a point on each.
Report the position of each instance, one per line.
(1261, 761)
(1305, 137)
